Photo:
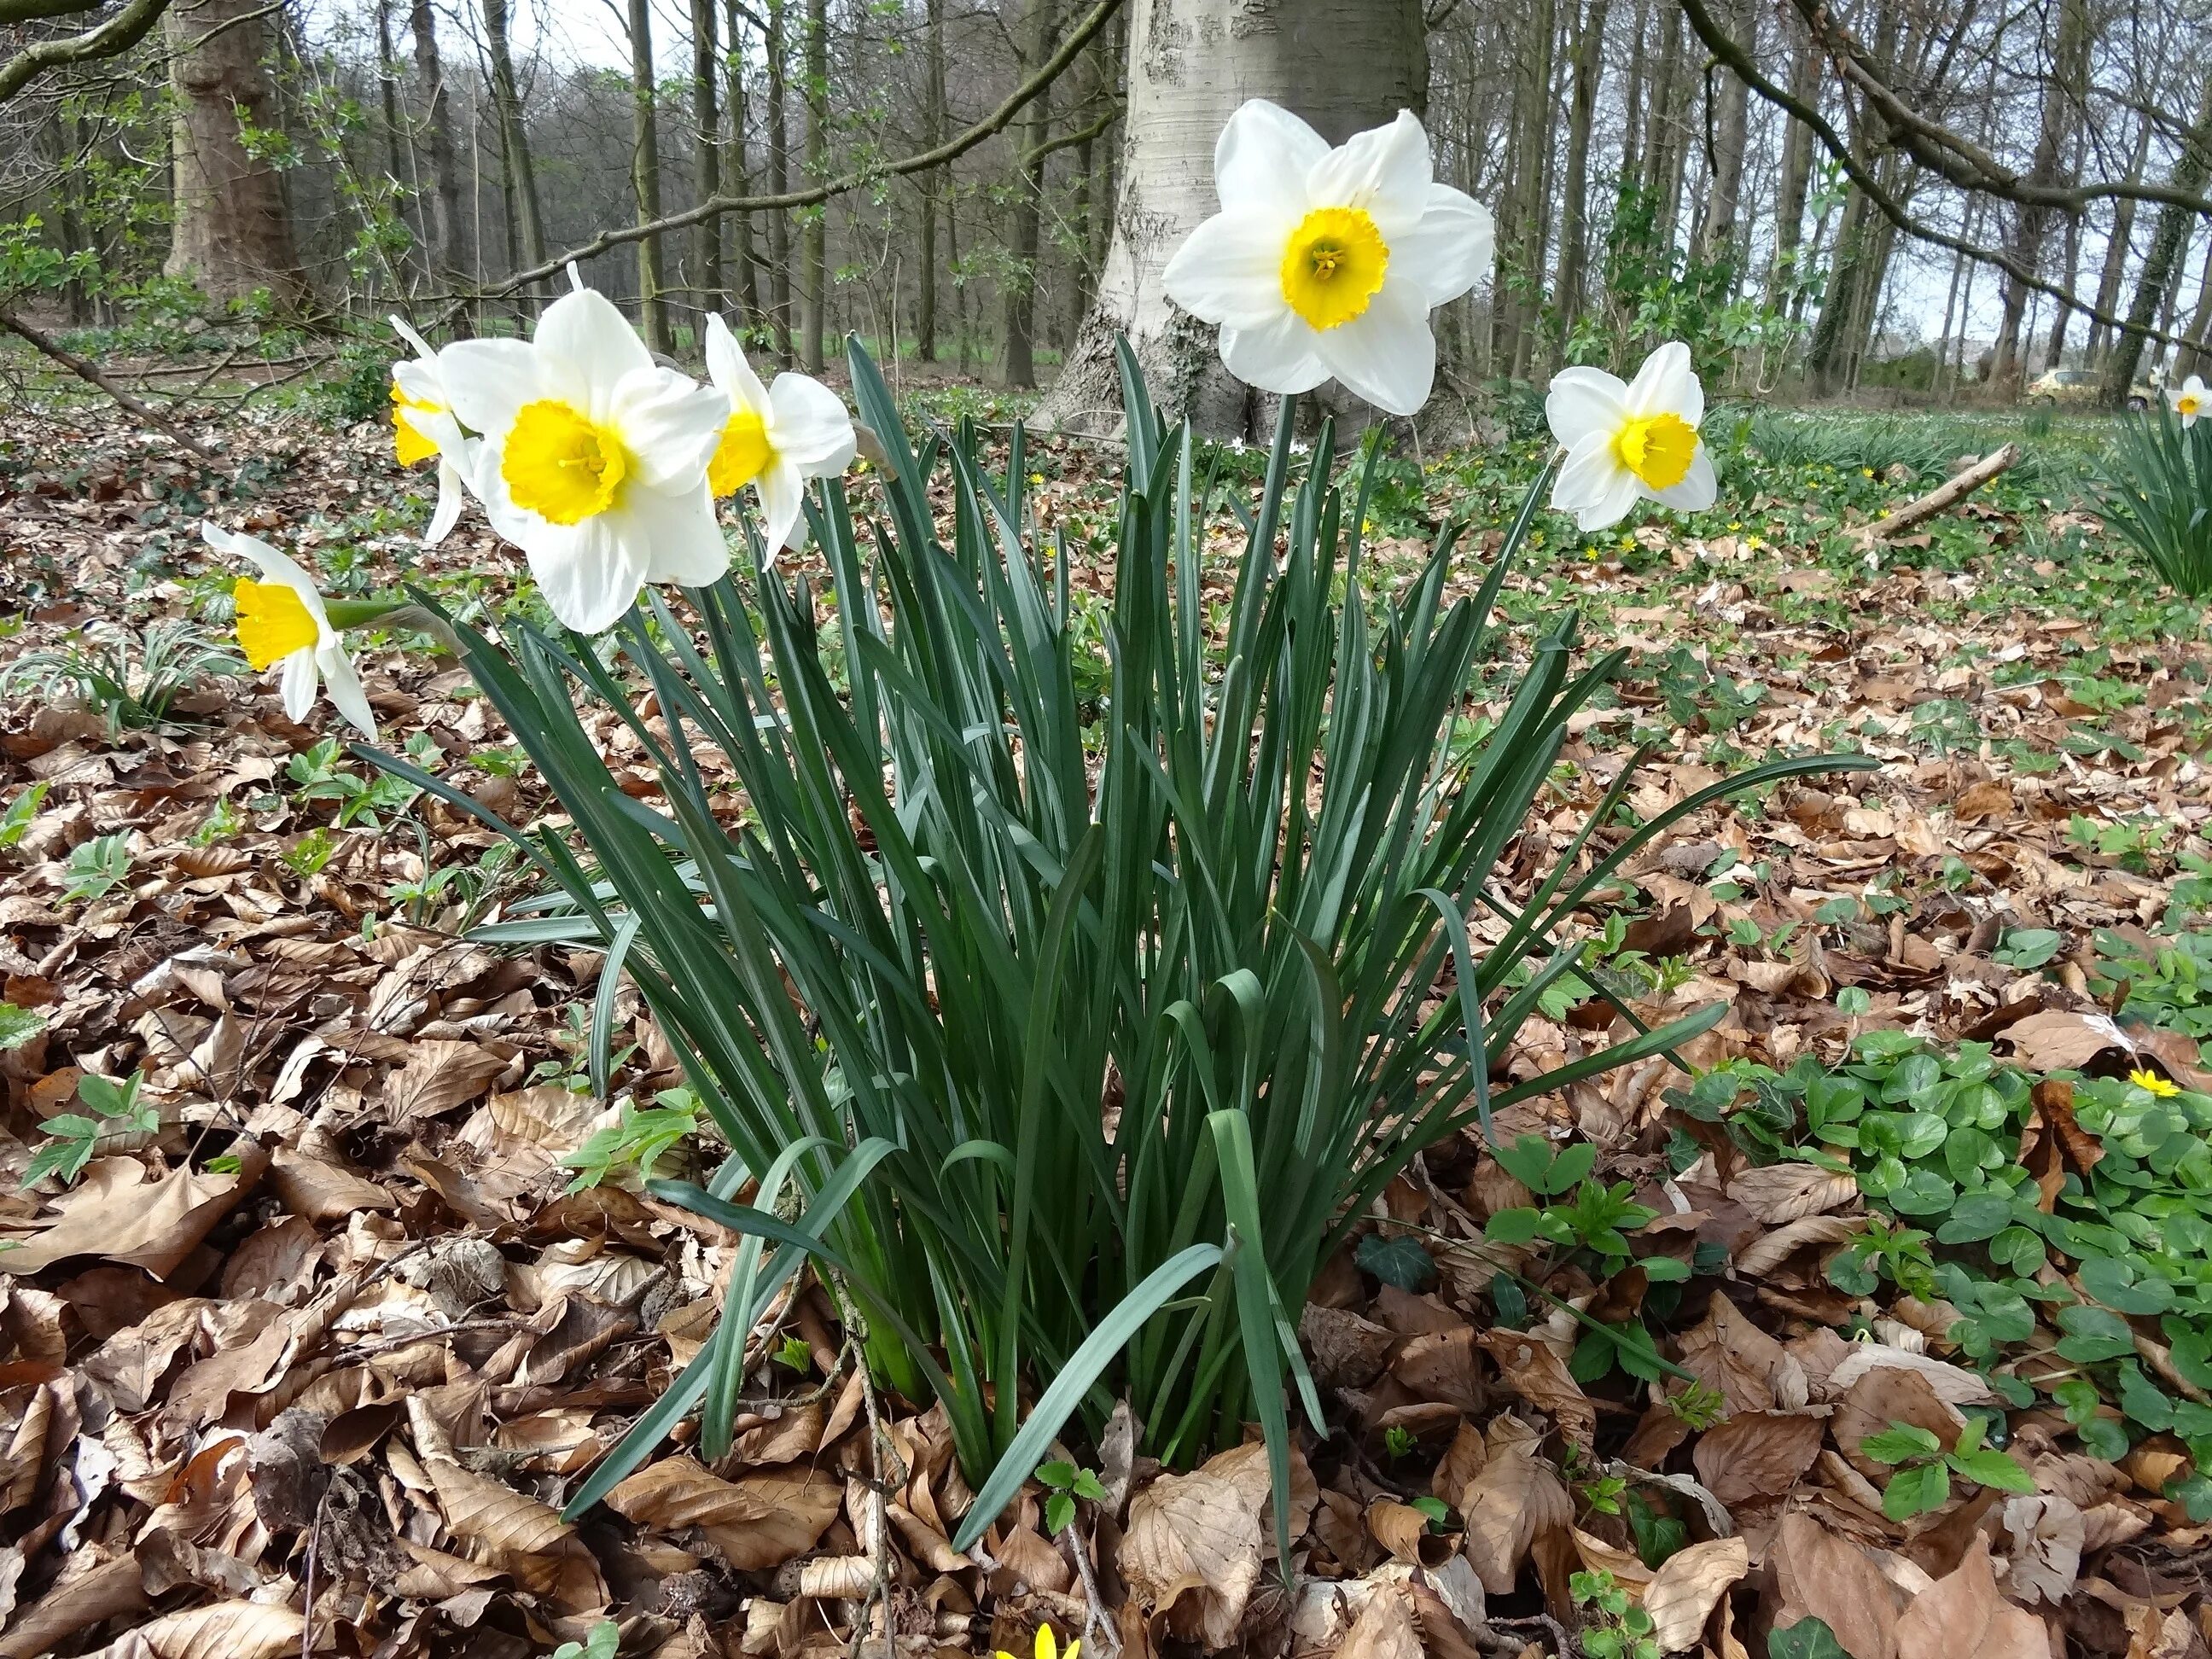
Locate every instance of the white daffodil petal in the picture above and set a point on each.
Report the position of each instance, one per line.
(727, 368)
(1584, 401)
(782, 500)
(1388, 354)
(276, 568)
(683, 539)
(1229, 270)
(590, 575)
(1263, 157)
(1698, 487)
(669, 423)
(1449, 251)
(453, 495)
(585, 346)
(487, 380)
(1278, 355)
(420, 382)
(809, 428)
(297, 683)
(406, 330)
(346, 694)
(1593, 485)
(1667, 384)
(1384, 170)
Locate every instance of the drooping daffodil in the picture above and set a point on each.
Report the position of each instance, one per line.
(281, 620)
(1631, 442)
(1326, 262)
(2191, 400)
(423, 425)
(776, 438)
(592, 458)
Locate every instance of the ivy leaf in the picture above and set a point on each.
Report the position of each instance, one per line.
(2093, 1334)
(2120, 1285)
(1808, 1639)
(1978, 1216)
(1398, 1261)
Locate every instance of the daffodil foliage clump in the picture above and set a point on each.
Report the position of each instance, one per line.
(1069, 1041)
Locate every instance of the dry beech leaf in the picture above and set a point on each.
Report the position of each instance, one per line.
(225, 1630)
(1193, 1536)
(1247, 1466)
(2047, 1532)
(440, 1074)
(1399, 1527)
(1820, 1576)
(1689, 1586)
(1384, 1629)
(1515, 1501)
(1462, 1460)
(1964, 1614)
(756, 1523)
(1534, 1370)
(1758, 1455)
(1765, 1254)
(1782, 1193)
(1954, 1384)
(321, 1190)
(117, 1213)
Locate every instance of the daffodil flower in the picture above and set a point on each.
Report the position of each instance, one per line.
(281, 620)
(775, 438)
(594, 460)
(2151, 1083)
(1047, 1646)
(1627, 443)
(423, 425)
(2189, 401)
(1326, 262)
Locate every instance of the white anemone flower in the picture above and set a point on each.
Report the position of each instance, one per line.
(1326, 262)
(281, 619)
(777, 437)
(423, 425)
(1627, 443)
(2190, 402)
(594, 458)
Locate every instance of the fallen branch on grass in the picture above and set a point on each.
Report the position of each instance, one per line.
(88, 372)
(1946, 494)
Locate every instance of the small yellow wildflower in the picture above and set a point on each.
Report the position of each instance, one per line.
(1047, 1646)
(1367, 526)
(1628, 541)
(2151, 1083)
(1036, 478)
(1590, 553)
(1752, 543)
(1735, 524)
(1866, 473)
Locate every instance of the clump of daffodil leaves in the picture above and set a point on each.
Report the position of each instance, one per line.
(1072, 1034)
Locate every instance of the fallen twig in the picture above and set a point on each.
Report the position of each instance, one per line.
(1946, 494)
(90, 372)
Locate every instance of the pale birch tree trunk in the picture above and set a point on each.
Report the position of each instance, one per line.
(1342, 64)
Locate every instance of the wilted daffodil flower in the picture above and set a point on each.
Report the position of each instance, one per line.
(1326, 262)
(2189, 401)
(1628, 443)
(775, 439)
(594, 458)
(282, 619)
(423, 425)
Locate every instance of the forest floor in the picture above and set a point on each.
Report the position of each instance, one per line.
(308, 1340)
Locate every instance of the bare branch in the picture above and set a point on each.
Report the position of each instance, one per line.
(1731, 53)
(1071, 45)
(109, 40)
(48, 346)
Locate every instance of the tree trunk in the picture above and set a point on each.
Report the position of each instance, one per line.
(514, 139)
(448, 229)
(1731, 118)
(1796, 179)
(1342, 64)
(1581, 115)
(814, 255)
(232, 232)
(644, 176)
(1017, 368)
(2192, 360)
(932, 135)
(2115, 247)
(707, 135)
(1666, 154)
(746, 298)
(779, 183)
(1517, 267)
(2163, 264)
(2031, 225)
